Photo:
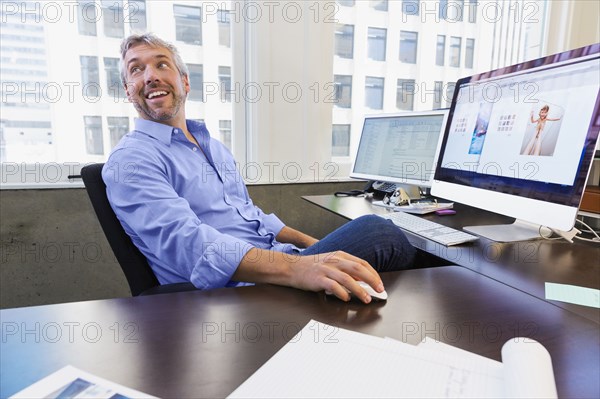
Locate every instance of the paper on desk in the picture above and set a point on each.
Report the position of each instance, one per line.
(70, 382)
(573, 294)
(418, 208)
(324, 361)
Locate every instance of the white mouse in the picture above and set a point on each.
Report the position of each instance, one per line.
(382, 296)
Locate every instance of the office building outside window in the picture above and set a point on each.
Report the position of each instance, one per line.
(137, 15)
(343, 91)
(118, 126)
(440, 50)
(344, 41)
(410, 7)
(379, 5)
(408, 46)
(225, 133)
(345, 3)
(455, 44)
(405, 94)
(376, 43)
(90, 76)
(473, 11)
(224, 21)
(94, 143)
(112, 16)
(113, 78)
(437, 94)
(225, 83)
(469, 53)
(188, 24)
(86, 17)
(374, 92)
(340, 141)
(451, 10)
(196, 78)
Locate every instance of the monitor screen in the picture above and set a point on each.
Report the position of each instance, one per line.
(520, 140)
(400, 148)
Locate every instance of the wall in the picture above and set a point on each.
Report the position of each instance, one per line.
(53, 249)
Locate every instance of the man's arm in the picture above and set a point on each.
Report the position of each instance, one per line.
(335, 272)
(292, 236)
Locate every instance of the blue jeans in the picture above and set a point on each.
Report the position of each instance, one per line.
(374, 239)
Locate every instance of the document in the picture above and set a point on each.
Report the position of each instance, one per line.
(573, 294)
(419, 208)
(70, 382)
(326, 361)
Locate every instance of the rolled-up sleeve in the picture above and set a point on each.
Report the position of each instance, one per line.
(178, 246)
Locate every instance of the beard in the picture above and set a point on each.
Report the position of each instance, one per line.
(163, 114)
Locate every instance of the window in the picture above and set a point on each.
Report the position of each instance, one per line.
(455, 43)
(137, 15)
(469, 53)
(86, 17)
(224, 21)
(343, 91)
(405, 94)
(344, 41)
(376, 43)
(451, 10)
(112, 15)
(188, 24)
(449, 93)
(94, 144)
(345, 3)
(408, 46)
(472, 11)
(440, 50)
(340, 141)
(90, 76)
(374, 92)
(437, 94)
(410, 7)
(225, 133)
(113, 78)
(379, 5)
(225, 83)
(196, 77)
(118, 126)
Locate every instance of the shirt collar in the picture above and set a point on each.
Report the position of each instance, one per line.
(164, 133)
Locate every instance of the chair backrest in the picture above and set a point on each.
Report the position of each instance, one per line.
(134, 264)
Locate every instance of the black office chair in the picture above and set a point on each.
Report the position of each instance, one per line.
(140, 276)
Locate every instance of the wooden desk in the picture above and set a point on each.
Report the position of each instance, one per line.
(526, 265)
(205, 344)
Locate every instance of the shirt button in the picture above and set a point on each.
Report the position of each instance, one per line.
(195, 149)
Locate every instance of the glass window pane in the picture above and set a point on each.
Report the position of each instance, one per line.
(94, 144)
(196, 78)
(408, 46)
(376, 43)
(345, 3)
(472, 10)
(90, 76)
(437, 94)
(225, 83)
(340, 141)
(112, 16)
(188, 27)
(137, 15)
(113, 78)
(343, 91)
(374, 92)
(344, 41)
(224, 21)
(379, 5)
(405, 94)
(455, 44)
(440, 52)
(469, 53)
(118, 126)
(86, 17)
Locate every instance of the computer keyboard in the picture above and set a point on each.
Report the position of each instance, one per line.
(434, 231)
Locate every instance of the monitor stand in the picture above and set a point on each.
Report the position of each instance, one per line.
(413, 192)
(517, 231)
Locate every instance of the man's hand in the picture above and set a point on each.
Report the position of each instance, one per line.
(335, 272)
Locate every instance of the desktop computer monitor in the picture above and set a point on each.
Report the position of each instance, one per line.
(520, 142)
(400, 148)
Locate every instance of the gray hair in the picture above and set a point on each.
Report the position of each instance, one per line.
(151, 40)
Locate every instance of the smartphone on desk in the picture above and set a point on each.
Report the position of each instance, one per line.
(380, 188)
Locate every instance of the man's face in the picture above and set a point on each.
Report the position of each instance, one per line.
(155, 85)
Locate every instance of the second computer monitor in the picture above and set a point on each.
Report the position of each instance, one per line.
(400, 148)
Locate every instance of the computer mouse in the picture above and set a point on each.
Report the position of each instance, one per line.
(377, 296)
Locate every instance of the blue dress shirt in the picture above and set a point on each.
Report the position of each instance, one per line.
(186, 208)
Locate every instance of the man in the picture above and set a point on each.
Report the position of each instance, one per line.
(179, 195)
